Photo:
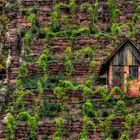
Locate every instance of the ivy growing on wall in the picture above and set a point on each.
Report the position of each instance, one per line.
(113, 9)
(92, 11)
(59, 129)
(11, 125)
(42, 62)
(84, 53)
(68, 62)
(32, 19)
(32, 122)
(87, 124)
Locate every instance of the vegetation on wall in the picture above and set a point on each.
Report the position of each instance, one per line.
(113, 9)
(42, 61)
(50, 97)
(68, 62)
(92, 11)
(10, 124)
(59, 129)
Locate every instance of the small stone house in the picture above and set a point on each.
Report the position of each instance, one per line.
(121, 65)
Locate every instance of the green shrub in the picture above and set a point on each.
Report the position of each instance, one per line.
(32, 124)
(68, 62)
(43, 60)
(106, 126)
(32, 19)
(27, 38)
(130, 121)
(132, 29)
(113, 9)
(121, 107)
(22, 32)
(31, 10)
(10, 125)
(85, 53)
(23, 71)
(23, 116)
(92, 11)
(59, 129)
(50, 109)
(19, 84)
(72, 7)
(40, 91)
(87, 124)
(60, 93)
(66, 84)
(89, 110)
(125, 136)
(53, 20)
(135, 18)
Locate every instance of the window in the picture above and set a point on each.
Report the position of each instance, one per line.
(133, 71)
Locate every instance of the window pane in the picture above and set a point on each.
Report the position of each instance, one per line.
(133, 71)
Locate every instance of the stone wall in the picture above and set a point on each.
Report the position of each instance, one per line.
(71, 127)
(102, 47)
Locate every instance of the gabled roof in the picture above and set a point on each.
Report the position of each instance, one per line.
(107, 61)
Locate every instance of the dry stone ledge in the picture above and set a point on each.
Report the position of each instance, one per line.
(54, 68)
(126, 9)
(44, 2)
(48, 127)
(27, 3)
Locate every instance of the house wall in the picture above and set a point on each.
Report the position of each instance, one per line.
(126, 56)
(125, 72)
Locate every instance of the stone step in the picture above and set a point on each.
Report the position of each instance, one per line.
(14, 65)
(15, 57)
(14, 60)
(14, 54)
(14, 73)
(14, 69)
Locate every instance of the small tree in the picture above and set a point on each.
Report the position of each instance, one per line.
(92, 11)
(89, 110)
(10, 124)
(32, 19)
(84, 52)
(68, 62)
(106, 125)
(32, 123)
(132, 29)
(87, 124)
(59, 129)
(42, 61)
(40, 91)
(113, 9)
(130, 122)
